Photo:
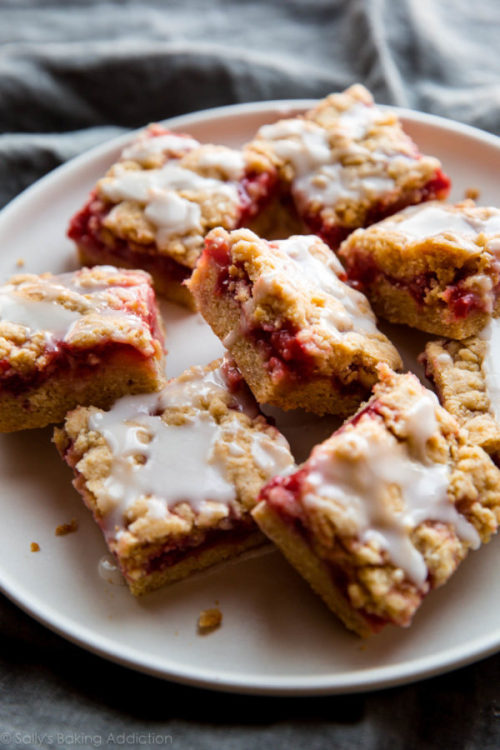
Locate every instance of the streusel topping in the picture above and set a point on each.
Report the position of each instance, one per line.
(80, 309)
(344, 151)
(177, 459)
(169, 190)
(295, 281)
(383, 489)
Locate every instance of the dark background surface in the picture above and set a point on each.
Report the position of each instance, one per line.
(75, 73)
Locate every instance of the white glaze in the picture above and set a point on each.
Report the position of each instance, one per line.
(19, 305)
(45, 315)
(182, 462)
(320, 177)
(158, 190)
(332, 182)
(434, 219)
(359, 485)
(358, 119)
(146, 146)
(109, 571)
(429, 221)
(491, 365)
(172, 215)
(305, 274)
(304, 144)
(230, 162)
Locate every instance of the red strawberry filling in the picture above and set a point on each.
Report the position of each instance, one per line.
(363, 273)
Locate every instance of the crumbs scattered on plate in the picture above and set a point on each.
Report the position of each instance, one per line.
(20, 262)
(35, 547)
(67, 528)
(472, 193)
(209, 620)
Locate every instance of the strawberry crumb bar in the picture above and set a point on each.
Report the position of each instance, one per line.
(75, 338)
(155, 205)
(385, 509)
(435, 267)
(466, 376)
(171, 477)
(300, 336)
(349, 163)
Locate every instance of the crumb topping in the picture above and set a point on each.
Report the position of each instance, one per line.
(81, 310)
(394, 499)
(296, 282)
(343, 155)
(192, 456)
(466, 376)
(169, 190)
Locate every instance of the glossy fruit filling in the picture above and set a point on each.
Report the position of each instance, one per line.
(76, 364)
(363, 273)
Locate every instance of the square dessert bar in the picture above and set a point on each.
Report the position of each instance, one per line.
(349, 163)
(386, 508)
(466, 376)
(300, 336)
(155, 205)
(87, 337)
(171, 477)
(435, 267)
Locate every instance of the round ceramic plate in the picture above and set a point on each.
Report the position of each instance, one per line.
(276, 636)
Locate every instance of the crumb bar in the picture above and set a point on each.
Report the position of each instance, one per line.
(75, 338)
(434, 267)
(466, 375)
(171, 477)
(386, 508)
(300, 336)
(349, 163)
(155, 205)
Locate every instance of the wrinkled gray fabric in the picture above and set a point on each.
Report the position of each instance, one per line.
(77, 72)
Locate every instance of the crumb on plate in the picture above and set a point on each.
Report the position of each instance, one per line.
(473, 193)
(35, 547)
(20, 262)
(67, 528)
(209, 620)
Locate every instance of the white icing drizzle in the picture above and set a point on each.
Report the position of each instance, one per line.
(45, 315)
(169, 193)
(177, 462)
(229, 161)
(20, 304)
(304, 273)
(304, 144)
(431, 220)
(357, 120)
(332, 182)
(109, 571)
(146, 146)
(491, 365)
(172, 215)
(319, 175)
(360, 485)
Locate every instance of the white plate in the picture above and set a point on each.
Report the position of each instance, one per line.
(276, 637)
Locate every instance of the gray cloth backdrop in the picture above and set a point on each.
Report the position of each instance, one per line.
(75, 72)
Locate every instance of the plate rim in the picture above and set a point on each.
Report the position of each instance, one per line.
(359, 680)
